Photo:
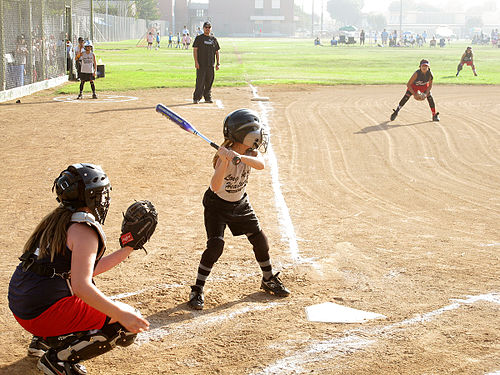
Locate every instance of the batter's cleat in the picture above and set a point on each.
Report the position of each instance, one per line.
(37, 347)
(79, 96)
(274, 286)
(51, 365)
(94, 96)
(196, 298)
(435, 117)
(195, 101)
(209, 101)
(394, 114)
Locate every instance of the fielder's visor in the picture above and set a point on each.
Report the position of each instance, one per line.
(424, 62)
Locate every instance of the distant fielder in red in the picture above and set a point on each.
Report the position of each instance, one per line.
(467, 59)
(419, 86)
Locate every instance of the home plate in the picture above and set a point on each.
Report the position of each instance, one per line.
(260, 99)
(329, 312)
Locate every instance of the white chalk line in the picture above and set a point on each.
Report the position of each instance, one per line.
(199, 322)
(101, 99)
(286, 225)
(355, 340)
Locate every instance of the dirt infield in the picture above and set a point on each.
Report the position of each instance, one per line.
(399, 218)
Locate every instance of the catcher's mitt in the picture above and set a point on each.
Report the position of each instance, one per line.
(138, 225)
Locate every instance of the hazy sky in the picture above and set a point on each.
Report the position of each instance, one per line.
(374, 5)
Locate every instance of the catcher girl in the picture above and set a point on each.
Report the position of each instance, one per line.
(468, 59)
(226, 202)
(52, 294)
(419, 86)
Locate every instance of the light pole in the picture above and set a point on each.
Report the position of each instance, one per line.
(401, 18)
(91, 22)
(312, 20)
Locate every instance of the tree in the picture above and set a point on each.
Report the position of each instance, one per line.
(347, 12)
(376, 21)
(472, 22)
(147, 9)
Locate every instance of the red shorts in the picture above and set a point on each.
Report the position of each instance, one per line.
(68, 315)
(422, 88)
(468, 63)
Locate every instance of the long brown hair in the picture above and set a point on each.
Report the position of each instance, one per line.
(227, 143)
(50, 234)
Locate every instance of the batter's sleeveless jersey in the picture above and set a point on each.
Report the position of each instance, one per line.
(423, 78)
(235, 182)
(87, 60)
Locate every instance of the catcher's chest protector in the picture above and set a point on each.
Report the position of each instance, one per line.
(89, 219)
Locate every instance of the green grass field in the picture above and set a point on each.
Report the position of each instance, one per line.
(287, 61)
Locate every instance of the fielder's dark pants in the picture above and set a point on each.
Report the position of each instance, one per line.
(204, 80)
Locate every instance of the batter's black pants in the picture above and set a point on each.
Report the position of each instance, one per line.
(204, 80)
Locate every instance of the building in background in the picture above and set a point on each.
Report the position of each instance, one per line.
(271, 18)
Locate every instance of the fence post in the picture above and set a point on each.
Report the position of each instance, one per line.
(91, 21)
(2, 49)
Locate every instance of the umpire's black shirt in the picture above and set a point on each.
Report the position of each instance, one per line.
(207, 46)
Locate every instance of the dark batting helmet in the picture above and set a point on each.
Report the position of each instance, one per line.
(84, 185)
(244, 126)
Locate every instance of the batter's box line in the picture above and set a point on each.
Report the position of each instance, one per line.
(101, 99)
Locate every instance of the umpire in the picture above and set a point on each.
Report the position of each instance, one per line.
(205, 52)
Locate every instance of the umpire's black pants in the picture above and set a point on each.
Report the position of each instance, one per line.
(204, 80)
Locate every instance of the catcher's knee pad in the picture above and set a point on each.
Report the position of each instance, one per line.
(260, 246)
(215, 246)
(86, 345)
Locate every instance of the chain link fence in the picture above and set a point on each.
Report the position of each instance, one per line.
(37, 37)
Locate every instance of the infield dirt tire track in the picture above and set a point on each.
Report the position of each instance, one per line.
(397, 218)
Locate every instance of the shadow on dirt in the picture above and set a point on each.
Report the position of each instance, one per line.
(385, 126)
(25, 366)
(183, 312)
(140, 108)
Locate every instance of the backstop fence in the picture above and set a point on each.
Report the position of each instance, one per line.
(37, 37)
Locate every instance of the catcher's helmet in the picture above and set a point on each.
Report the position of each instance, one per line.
(244, 126)
(84, 185)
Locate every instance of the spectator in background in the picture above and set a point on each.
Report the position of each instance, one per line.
(317, 42)
(178, 41)
(199, 31)
(362, 37)
(157, 39)
(149, 39)
(20, 58)
(432, 42)
(185, 31)
(69, 57)
(384, 35)
(78, 50)
(170, 36)
(424, 36)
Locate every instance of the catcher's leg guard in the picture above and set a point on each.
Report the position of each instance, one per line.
(214, 249)
(86, 345)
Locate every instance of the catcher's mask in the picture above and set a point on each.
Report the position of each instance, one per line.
(84, 185)
(244, 126)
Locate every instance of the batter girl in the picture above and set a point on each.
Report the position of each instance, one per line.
(52, 294)
(467, 59)
(420, 81)
(226, 202)
(88, 69)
